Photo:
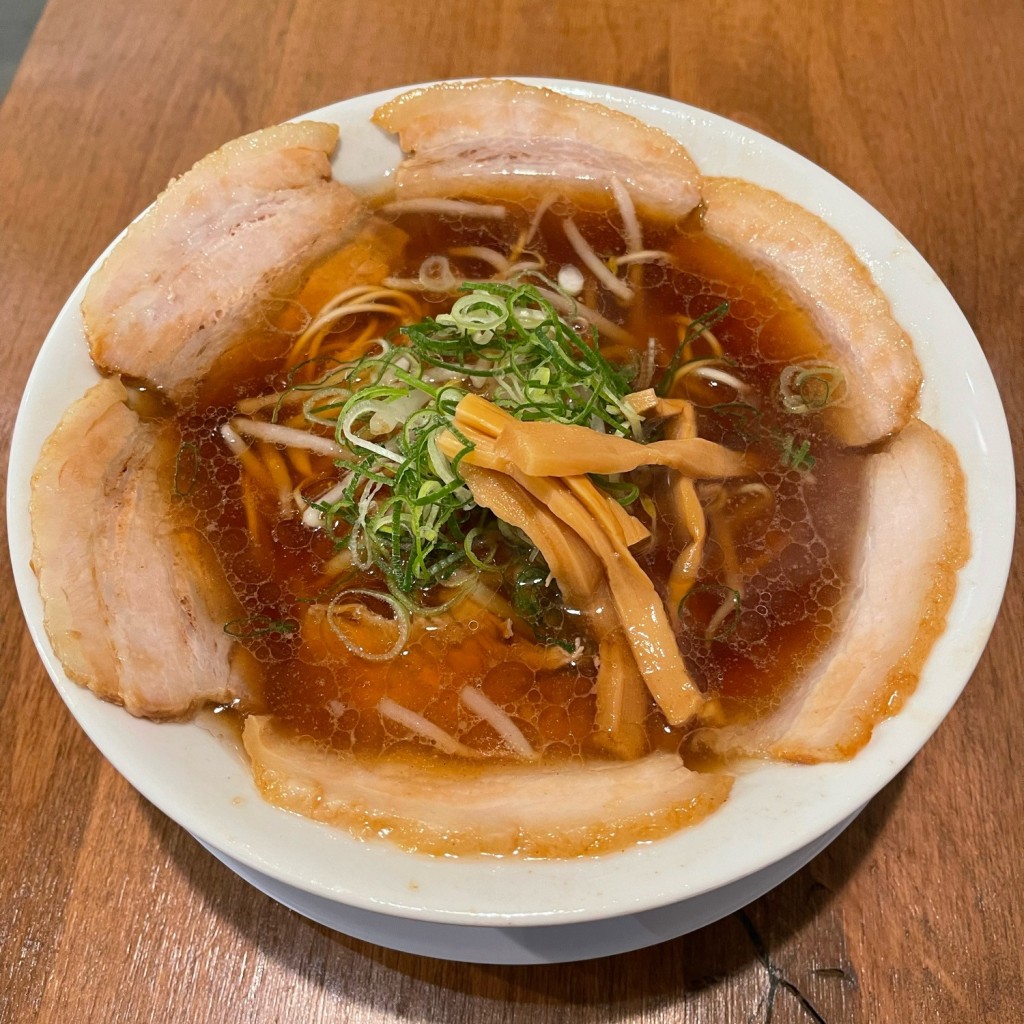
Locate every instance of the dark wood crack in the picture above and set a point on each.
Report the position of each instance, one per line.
(776, 979)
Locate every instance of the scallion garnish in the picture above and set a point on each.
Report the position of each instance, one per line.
(401, 507)
(693, 331)
(811, 387)
(797, 455)
(252, 626)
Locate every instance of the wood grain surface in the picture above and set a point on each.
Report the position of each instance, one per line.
(109, 912)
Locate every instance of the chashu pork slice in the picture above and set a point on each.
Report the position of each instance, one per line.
(545, 810)
(463, 135)
(817, 267)
(903, 579)
(187, 283)
(134, 602)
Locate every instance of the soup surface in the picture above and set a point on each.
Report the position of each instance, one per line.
(701, 325)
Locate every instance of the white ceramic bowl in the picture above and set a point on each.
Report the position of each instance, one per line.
(778, 815)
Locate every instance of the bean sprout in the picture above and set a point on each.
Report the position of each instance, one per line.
(483, 707)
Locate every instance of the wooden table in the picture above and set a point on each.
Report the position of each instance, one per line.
(111, 913)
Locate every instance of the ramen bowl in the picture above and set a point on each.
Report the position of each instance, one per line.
(510, 910)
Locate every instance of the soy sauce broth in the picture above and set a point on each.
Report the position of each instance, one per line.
(793, 555)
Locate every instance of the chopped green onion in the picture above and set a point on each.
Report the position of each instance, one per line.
(693, 331)
(343, 614)
(251, 626)
(401, 507)
(808, 388)
(797, 456)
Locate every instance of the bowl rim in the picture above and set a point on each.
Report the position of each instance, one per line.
(796, 804)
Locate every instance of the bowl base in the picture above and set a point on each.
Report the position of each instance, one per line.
(535, 944)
